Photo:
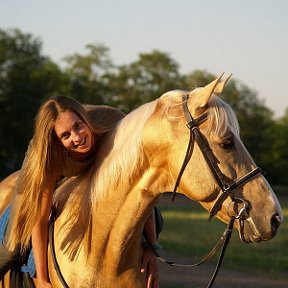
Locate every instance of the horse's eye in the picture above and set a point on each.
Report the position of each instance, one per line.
(228, 144)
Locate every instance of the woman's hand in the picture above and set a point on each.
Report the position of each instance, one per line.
(150, 266)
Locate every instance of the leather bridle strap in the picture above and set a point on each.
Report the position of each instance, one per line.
(218, 175)
(192, 123)
(229, 231)
(229, 189)
(195, 133)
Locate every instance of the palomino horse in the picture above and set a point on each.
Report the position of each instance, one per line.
(100, 215)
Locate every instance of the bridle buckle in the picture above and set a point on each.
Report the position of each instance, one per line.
(243, 211)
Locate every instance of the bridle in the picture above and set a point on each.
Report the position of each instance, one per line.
(227, 189)
(195, 134)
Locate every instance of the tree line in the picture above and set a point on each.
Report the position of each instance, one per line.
(28, 78)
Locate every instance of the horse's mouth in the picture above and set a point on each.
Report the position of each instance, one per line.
(250, 233)
(250, 238)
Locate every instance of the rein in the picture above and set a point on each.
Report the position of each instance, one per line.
(224, 241)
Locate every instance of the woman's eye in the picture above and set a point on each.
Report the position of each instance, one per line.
(227, 144)
(65, 136)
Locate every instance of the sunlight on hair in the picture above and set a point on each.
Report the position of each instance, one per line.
(126, 157)
(174, 99)
(221, 118)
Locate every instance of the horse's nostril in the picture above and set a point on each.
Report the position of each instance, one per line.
(275, 222)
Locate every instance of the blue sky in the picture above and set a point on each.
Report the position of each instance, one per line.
(248, 38)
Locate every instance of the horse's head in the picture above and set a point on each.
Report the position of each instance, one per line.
(219, 173)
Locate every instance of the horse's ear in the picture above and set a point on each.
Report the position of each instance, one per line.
(220, 85)
(200, 97)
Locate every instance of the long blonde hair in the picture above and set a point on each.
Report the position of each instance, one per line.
(38, 169)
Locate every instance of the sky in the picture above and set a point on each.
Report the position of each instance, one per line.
(248, 38)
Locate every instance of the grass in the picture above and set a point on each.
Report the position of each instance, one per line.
(188, 233)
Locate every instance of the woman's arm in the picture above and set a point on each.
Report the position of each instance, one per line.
(149, 260)
(40, 239)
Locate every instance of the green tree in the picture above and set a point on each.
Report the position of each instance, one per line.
(144, 80)
(278, 152)
(26, 78)
(86, 74)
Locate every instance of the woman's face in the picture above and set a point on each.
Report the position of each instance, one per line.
(73, 132)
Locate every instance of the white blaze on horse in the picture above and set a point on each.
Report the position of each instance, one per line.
(100, 215)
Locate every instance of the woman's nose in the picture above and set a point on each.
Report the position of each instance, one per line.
(76, 138)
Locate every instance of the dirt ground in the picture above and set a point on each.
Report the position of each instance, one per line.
(175, 277)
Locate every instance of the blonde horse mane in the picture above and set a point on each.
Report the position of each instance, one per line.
(221, 118)
(125, 158)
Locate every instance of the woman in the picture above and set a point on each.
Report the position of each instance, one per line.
(64, 145)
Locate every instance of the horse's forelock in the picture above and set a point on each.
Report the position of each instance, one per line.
(221, 118)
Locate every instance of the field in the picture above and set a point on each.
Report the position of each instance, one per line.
(188, 236)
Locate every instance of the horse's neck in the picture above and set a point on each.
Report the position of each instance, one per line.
(122, 214)
(117, 226)
(128, 208)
